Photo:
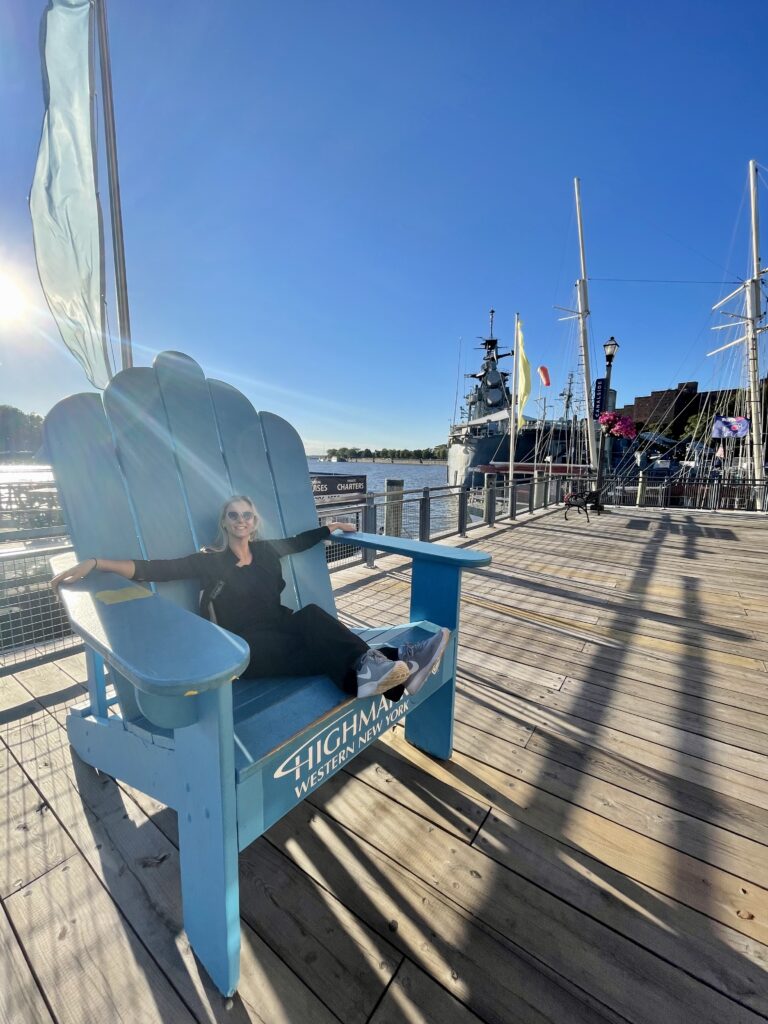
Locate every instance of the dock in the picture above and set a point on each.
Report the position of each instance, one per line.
(596, 850)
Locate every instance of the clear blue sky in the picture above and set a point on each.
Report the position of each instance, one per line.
(321, 198)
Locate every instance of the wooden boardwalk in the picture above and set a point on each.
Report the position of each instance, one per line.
(595, 851)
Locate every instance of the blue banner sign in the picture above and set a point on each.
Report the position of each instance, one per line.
(601, 394)
(337, 485)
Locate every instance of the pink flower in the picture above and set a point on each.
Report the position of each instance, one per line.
(618, 426)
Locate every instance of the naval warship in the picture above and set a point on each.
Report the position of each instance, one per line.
(479, 443)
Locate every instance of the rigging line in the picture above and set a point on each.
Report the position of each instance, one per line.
(659, 280)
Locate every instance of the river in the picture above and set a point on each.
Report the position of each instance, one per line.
(376, 473)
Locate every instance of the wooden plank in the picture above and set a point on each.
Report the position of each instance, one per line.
(527, 773)
(91, 967)
(566, 734)
(713, 741)
(414, 998)
(635, 636)
(75, 667)
(642, 740)
(634, 982)
(637, 770)
(498, 980)
(440, 803)
(20, 997)
(519, 642)
(33, 840)
(748, 732)
(709, 701)
(15, 704)
(336, 955)
(476, 653)
(724, 897)
(50, 686)
(534, 647)
(719, 955)
(140, 868)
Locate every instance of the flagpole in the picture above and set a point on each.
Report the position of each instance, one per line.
(513, 414)
(110, 141)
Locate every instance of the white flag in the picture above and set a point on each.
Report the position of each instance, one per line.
(63, 202)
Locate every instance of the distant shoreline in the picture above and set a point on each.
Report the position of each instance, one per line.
(384, 462)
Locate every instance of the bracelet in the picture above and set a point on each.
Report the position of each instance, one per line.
(95, 563)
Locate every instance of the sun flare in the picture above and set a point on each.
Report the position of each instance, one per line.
(13, 300)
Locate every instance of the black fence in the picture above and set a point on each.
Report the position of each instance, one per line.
(33, 626)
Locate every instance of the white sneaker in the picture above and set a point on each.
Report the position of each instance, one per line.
(377, 673)
(423, 658)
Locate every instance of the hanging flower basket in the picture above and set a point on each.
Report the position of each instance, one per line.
(617, 426)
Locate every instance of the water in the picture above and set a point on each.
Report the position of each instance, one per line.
(13, 473)
(377, 473)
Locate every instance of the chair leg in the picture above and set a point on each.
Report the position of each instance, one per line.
(435, 597)
(208, 845)
(430, 726)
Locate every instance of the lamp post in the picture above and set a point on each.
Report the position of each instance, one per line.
(611, 347)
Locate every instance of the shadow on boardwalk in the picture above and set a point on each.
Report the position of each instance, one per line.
(594, 851)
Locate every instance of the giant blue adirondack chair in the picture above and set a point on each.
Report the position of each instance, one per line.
(142, 474)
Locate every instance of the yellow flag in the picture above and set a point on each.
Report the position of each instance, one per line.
(523, 376)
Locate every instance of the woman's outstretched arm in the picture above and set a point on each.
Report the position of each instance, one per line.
(124, 568)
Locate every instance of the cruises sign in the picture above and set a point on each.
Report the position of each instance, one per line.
(337, 485)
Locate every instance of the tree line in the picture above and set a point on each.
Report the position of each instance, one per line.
(439, 452)
(20, 432)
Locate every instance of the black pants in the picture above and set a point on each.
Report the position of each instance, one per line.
(308, 642)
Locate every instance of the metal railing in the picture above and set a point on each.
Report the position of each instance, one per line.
(33, 626)
(715, 495)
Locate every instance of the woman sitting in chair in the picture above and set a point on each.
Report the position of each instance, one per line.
(241, 584)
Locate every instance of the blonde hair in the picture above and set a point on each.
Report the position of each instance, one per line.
(221, 543)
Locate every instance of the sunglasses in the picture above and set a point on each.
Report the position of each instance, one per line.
(237, 516)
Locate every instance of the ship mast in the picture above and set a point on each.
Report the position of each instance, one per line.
(567, 396)
(581, 314)
(751, 321)
(754, 315)
(583, 303)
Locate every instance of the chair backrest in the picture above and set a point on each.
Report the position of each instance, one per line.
(143, 472)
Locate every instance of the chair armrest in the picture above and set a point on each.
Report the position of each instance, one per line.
(419, 550)
(161, 648)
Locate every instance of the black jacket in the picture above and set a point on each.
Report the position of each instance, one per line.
(242, 596)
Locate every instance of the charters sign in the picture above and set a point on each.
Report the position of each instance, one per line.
(325, 752)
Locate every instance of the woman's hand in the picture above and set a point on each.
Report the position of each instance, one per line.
(77, 572)
(344, 527)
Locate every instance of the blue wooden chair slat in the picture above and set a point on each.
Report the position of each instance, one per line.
(104, 521)
(192, 424)
(242, 440)
(288, 463)
(145, 480)
(91, 486)
(144, 444)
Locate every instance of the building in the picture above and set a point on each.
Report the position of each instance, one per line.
(669, 410)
